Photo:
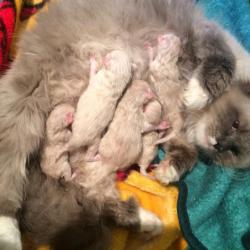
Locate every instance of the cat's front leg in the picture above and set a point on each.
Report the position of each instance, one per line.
(132, 216)
(180, 158)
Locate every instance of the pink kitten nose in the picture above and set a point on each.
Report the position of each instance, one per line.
(69, 118)
(164, 41)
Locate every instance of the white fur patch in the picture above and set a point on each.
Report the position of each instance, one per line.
(212, 141)
(150, 223)
(9, 234)
(167, 175)
(195, 96)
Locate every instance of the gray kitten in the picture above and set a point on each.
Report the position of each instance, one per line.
(54, 157)
(53, 67)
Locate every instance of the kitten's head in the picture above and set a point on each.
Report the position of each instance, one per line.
(223, 131)
(153, 112)
(60, 117)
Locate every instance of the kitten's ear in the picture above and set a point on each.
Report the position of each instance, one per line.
(245, 87)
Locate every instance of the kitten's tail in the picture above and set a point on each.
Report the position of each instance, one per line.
(22, 117)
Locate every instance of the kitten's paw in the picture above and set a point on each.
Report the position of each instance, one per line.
(143, 171)
(92, 158)
(166, 173)
(195, 97)
(150, 224)
(164, 124)
(10, 238)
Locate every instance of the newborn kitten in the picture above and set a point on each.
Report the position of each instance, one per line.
(54, 158)
(53, 66)
(152, 114)
(166, 79)
(121, 146)
(97, 104)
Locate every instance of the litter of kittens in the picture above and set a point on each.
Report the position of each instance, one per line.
(106, 104)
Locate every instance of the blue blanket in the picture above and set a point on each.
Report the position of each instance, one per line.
(214, 202)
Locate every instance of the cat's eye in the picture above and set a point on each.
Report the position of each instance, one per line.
(236, 124)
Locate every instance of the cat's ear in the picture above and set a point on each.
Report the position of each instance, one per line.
(245, 87)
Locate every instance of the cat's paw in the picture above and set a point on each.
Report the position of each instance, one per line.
(150, 224)
(166, 173)
(10, 238)
(195, 97)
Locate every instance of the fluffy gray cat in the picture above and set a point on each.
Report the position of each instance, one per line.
(53, 67)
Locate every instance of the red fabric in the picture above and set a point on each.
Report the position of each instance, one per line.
(122, 175)
(7, 26)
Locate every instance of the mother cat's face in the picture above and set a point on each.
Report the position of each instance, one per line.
(224, 129)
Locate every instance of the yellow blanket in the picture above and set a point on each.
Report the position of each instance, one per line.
(151, 195)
